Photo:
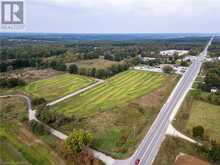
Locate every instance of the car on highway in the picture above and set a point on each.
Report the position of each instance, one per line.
(137, 161)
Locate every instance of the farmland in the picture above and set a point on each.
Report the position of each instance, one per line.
(57, 86)
(115, 92)
(119, 111)
(17, 144)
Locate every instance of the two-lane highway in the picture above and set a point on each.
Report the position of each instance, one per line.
(150, 145)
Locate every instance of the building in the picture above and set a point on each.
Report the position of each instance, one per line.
(214, 90)
(173, 52)
(148, 58)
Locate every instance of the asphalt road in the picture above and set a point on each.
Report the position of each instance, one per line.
(150, 145)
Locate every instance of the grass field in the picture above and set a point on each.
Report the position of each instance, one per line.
(17, 144)
(120, 111)
(114, 92)
(94, 63)
(196, 112)
(57, 86)
(206, 115)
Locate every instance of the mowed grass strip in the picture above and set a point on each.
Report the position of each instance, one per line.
(206, 115)
(116, 91)
(57, 86)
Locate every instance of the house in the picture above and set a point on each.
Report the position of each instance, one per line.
(214, 90)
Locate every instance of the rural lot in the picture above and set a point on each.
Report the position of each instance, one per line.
(118, 111)
(57, 86)
(84, 102)
(17, 143)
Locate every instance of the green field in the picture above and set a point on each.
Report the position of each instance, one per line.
(114, 92)
(94, 63)
(17, 144)
(195, 112)
(206, 115)
(57, 86)
(119, 111)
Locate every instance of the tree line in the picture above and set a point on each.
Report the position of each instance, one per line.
(104, 73)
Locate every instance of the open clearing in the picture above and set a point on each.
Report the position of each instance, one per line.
(172, 147)
(195, 112)
(17, 144)
(206, 115)
(119, 111)
(32, 74)
(189, 160)
(94, 63)
(57, 86)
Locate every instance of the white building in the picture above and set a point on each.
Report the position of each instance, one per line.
(214, 90)
(173, 52)
(148, 58)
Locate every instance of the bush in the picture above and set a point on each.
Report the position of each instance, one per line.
(37, 128)
(167, 69)
(46, 116)
(198, 132)
(73, 69)
(38, 101)
(214, 153)
(11, 82)
(77, 141)
(53, 118)
(23, 116)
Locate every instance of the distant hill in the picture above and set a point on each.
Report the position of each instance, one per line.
(96, 37)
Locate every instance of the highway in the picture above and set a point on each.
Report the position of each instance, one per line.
(149, 147)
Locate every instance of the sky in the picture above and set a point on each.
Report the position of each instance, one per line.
(123, 16)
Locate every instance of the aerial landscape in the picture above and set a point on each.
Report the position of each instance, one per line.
(108, 93)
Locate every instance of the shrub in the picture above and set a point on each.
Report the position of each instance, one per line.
(38, 101)
(77, 141)
(73, 69)
(214, 153)
(37, 128)
(53, 118)
(46, 116)
(167, 69)
(23, 116)
(11, 82)
(198, 132)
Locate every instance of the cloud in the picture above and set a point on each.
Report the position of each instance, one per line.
(124, 15)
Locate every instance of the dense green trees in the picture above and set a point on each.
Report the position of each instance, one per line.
(104, 73)
(214, 49)
(58, 65)
(40, 54)
(212, 78)
(11, 82)
(73, 69)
